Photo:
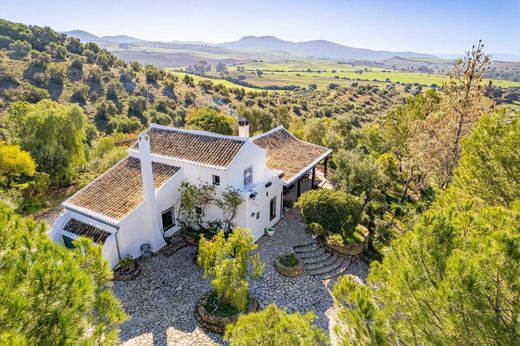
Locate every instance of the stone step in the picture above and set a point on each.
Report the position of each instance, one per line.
(320, 258)
(308, 248)
(175, 244)
(321, 264)
(311, 242)
(338, 261)
(341, 270)
(315, 253)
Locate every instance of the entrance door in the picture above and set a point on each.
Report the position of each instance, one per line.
(272, 209)
(68, 242)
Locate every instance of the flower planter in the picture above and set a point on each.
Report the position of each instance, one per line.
(217, 324)
(269, 231)
(127, 273)
(355, 249)
(289, 271)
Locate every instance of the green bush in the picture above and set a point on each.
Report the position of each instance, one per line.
(288, 203)
(336, 211)
(229, 263)
(274, 326)
(289, 260)
(316, 229)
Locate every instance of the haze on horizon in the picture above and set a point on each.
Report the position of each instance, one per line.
(436, 27)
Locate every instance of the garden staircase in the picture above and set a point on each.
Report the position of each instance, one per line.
(175, 243)
(320, 262)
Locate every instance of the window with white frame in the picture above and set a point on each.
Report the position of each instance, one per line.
(248, 176)
(216, 180)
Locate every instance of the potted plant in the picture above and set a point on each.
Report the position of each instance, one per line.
(288, 204)
(289, 264)
(269, 231)
(229, 263)
(351, 244)
(315, 229)
(128, 269)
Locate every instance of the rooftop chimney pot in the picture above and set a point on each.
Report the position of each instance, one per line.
(243, 127)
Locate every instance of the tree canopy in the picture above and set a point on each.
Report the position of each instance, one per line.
(453, 279)
(229, 263)
(209, 119)
(336, 211)
(50, 294)
(54, 134)
(275, 327)
(15, 162)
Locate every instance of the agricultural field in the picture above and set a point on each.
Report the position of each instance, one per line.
(197, 79)
(301, 73)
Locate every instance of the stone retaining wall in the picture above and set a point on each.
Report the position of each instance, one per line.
(218, 324)
(289, 271)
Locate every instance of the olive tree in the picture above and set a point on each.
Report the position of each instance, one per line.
(229, 263)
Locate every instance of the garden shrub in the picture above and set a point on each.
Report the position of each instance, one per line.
(289, 260)
(229, 263)
(336, 211)
(273, 326)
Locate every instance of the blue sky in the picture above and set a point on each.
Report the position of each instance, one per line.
(427, 26)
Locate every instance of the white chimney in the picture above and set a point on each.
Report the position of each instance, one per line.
(243, 127)
(155, 235)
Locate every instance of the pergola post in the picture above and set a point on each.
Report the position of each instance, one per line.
(313, 176)
(298, 190)
(325, 167)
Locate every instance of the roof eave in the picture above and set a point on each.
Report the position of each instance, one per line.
(307, 168)
(92, 214)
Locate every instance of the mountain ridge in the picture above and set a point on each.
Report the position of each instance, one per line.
(313, 48)
(317, 48)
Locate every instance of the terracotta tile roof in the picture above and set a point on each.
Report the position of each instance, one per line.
(119, 191)
(195, 146)
(82, 229)
(289, 154)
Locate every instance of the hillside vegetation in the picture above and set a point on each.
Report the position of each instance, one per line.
(113, 100)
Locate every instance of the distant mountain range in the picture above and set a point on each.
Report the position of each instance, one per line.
(248, 48)
(317, 49)
(88, 37)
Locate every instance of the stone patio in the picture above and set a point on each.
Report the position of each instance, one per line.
(160, 302)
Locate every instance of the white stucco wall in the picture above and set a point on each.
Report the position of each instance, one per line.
(134, 230)
(109, 249)
(261, 204)
(250, 155)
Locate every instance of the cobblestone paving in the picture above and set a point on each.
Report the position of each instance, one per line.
(160, 302)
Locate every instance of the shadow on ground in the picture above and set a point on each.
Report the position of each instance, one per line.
(160, 302)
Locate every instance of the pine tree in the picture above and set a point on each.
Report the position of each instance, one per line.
(273, 326)
(50, 294)
(453, 279)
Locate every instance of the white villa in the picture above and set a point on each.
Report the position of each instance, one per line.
(134, 202)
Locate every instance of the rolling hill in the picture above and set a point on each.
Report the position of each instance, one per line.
(317, 48)
(248, 48)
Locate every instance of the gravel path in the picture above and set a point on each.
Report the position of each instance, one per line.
(160, 302)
